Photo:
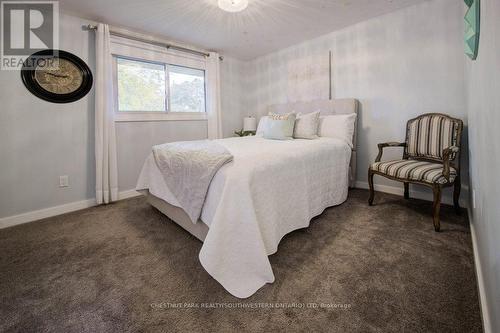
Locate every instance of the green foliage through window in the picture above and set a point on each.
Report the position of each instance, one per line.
(141, 86)
(187, 89)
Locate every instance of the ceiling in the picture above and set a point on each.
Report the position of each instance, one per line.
(265, 26)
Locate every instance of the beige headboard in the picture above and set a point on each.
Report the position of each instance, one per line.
(327, 107)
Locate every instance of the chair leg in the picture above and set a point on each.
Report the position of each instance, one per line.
(372, 190)
(407, 190)
(456, 194)
(437, 205)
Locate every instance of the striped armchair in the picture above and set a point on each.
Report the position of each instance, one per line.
(431, 157)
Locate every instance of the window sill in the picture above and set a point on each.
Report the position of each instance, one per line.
(159, 116)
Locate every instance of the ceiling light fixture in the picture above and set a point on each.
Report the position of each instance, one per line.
(233, 6)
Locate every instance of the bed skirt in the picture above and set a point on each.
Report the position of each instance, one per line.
(178, 215)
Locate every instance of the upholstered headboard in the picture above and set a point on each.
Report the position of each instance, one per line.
(327, 107)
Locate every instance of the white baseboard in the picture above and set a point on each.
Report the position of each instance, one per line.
(448, 200)
(480, 278)
(10, 221)
(35, 215)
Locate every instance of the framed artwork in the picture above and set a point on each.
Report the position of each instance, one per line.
(307, 78)
(472, 28)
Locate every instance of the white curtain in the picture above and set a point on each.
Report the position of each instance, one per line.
(105, 141)
(213, 97)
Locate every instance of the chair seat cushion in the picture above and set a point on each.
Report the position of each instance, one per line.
(415, 170)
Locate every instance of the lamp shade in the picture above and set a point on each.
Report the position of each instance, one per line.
(249, 124)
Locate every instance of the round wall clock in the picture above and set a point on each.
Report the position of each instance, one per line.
(56, 76)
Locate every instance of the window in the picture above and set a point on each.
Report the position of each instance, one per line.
(154, 87)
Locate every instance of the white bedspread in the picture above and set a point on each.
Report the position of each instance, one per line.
(269, 189)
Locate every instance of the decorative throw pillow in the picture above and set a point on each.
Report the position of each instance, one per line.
(262, 126)
(279, 126)
(306, 126)
(338, 126)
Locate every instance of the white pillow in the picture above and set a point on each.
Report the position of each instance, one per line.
(262, 126)
(338, 126)
(306, 126)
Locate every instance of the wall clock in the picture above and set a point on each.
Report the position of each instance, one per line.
(472, 28)
(57, 76)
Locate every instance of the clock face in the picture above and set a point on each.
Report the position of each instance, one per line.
(59, 77)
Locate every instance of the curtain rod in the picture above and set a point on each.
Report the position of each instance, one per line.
(138, 39)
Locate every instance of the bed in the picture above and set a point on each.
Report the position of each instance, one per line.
(269, 189)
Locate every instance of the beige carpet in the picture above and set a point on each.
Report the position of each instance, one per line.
(127, 268)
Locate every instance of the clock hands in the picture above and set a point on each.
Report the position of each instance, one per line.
(56, 75)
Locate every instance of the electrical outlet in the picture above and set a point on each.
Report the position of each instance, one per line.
(63, 181)
(473, 199)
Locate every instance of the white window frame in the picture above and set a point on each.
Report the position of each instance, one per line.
(130, 49)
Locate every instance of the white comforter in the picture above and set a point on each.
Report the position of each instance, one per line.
(269, 189)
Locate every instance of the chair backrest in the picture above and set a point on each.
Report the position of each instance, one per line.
(428, 134)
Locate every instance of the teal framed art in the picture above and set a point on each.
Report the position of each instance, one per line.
(472, 28)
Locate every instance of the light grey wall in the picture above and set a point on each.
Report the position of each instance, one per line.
(398, 65)
(483, 101)
(135, 139)
(232, 74)
(40, 141)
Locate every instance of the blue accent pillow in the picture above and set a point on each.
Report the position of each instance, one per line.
(280, 126)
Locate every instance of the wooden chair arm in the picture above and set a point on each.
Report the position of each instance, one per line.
(381, 147)
(447, 152)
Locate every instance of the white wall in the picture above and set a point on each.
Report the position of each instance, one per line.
(483, 101)
(39, 141)
(398, 65)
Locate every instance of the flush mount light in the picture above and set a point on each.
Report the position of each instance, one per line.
(233, 6)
